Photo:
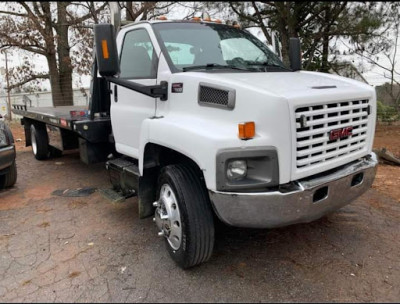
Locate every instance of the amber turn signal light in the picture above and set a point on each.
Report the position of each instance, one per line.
(104, 47)
(247, 130)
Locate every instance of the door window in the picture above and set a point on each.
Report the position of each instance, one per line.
(181, 54)
(138, 59)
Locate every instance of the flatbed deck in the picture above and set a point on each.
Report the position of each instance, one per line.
(60, 112)
(94, 130)
(58, 116)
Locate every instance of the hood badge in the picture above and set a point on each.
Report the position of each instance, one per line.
(340, 133)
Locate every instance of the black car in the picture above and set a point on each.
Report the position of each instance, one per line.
(8, 167)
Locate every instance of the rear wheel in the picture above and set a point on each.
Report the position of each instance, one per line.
(40, 142)
(184, 216)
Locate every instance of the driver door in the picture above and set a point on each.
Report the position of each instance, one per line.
(138, 63)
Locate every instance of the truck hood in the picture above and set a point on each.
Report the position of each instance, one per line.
(291, 84)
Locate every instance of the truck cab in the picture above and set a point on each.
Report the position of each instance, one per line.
(214, 125)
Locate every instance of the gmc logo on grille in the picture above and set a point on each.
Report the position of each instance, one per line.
(340, 133)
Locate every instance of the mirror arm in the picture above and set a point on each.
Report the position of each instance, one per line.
(156, 91)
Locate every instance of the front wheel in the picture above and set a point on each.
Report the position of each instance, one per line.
(184, 216)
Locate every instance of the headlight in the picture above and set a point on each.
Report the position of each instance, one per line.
(249, 169)
(237, 170)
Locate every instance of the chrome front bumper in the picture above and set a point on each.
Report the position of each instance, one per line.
(308, 201)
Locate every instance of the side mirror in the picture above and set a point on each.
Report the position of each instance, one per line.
(295, 54)
(106, 49)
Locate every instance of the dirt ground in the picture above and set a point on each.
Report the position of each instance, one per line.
(71, 249)
(388, 176)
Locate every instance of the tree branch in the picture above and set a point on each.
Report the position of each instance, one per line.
(32, 16)
(14, 14)
(75, 20)
(32, 77)
(264, 30)
(27, 47)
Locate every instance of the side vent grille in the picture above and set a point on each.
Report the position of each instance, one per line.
(216, 96)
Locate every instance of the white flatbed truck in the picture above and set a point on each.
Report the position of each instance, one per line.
(204, 122)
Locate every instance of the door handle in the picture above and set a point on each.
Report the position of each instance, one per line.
(115, 93)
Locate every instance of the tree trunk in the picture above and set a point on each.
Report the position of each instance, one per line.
(54, 79)
(286, 28)
(325, 53)
(285, 47)
(64, 59)
(325, 41)
(129, 11)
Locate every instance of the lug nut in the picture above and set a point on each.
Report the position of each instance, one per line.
(154, 219)
(155, 204)
(161, 233)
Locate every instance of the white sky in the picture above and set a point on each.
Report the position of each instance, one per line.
(373, 75)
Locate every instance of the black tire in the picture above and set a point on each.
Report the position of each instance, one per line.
(196, 215)
(54, 152)
(11, 176)
(9, 179)
(40, 142)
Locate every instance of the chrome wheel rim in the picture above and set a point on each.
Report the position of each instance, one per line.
(33, 142)
(168, 217)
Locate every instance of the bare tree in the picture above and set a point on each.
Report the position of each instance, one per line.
(388, 67)
(382, 52)
(136, 11)
(53, 30)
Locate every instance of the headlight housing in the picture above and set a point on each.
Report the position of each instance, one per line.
(249, 169)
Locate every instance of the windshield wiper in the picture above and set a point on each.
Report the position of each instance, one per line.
(210, 66)
(267, 64)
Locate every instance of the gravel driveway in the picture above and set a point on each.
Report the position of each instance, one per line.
(81, 249)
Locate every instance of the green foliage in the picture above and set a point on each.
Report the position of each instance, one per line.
(386, 113)
(317, 24)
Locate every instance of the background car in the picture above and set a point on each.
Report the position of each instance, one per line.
(8, 167)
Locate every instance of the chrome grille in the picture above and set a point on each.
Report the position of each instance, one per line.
(314, 123)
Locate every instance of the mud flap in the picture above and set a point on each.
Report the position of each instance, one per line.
(147, 192)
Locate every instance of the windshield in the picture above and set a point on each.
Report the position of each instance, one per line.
(190, 46)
